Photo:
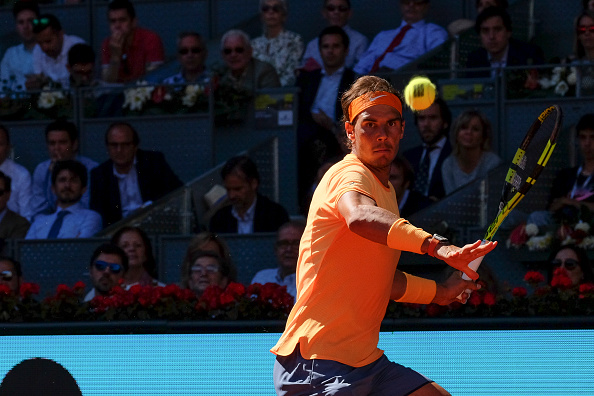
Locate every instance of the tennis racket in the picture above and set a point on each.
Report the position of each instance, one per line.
(528, 162)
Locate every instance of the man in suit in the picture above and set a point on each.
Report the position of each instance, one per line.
(248, 211)
(132, 178)
(499, 49)
(433, 125)
(319, 106)
(12, 225)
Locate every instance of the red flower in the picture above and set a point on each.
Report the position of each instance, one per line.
(27, 289)
(534, 277)
(518, 236)
(5, 290)
(79, 286)
(586, 288)
(489, 299)
(475, 299)
(561, 279)
(226, 299)
(433, 310)
(519, 292)
(235, 289)
(159, 94)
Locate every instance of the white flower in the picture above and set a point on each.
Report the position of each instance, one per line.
(568, 241)
(557, 70)
(540, 242)
(572, 77)
(531, 229)
(555, 79)
(561, 88)
(582, 226)
(167, 97)
(191, 94)
(545, 83)
(587, 242)
(47, 99)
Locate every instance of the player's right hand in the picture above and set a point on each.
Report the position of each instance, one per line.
(447, 292)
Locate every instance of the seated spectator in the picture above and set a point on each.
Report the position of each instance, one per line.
(499, 49)
(336, 13)
(392, 49)
(287, 253)
(248, 211)
(574, 260)
(10, 274)
(17, 62)
(209, 242)
(460, 25)
(50, 55)
(131, 178)
(573, 187)
(71, 219)
(433, 125)
(319, 107)
(20, 185)
(191, 54)
(130, 51)
(61, 138)
(12, 225)
(402, 177)
(584, 51)
(142, 266)
(277, 46)
(470, 158)
(242, 70)
(107, 267)
(81, 66)
(208, 269)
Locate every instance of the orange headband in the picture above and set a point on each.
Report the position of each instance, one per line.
(365, 101)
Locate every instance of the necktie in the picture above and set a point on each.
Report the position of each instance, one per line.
(53, 233)
(422, 178)
(397, 40)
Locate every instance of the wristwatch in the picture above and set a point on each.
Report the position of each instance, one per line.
(435, 240)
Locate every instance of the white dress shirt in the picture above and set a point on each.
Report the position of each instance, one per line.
(55, 68)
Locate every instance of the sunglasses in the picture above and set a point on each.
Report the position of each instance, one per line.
(103, 265)
(238, 50)
(186, 51)
(41, 21)
(6, 275)
(584, 29)
(569, 264)
(274, 8)
(332, 8)
(208, 270)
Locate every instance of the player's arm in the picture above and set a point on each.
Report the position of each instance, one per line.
(443, 293)
(365, 218)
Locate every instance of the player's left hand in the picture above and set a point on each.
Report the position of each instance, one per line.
(459, 258)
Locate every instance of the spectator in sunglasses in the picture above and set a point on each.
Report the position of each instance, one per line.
(50, 55)
(17, 62)
(107, 267)
(277, 46)
(242, 69)
(130, 51)
(10, 274)
(286, 250)
(583, 56)
(575, 261)
(336, 13)
(191, 55)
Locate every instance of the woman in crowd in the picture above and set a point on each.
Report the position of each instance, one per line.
(470, 158)
(142, 267)
(575, 261)
(277, 46)
(583, 57)
(206, 241)
(208, 269)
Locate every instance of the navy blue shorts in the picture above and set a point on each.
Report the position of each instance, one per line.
(296, 376)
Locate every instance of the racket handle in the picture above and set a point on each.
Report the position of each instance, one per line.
(474, 264)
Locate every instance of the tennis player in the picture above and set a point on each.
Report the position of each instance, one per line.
(346, 273)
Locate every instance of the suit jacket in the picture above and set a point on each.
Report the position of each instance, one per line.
(268, 217)
(155, 179)
(519, 54)
(13, 226)
(414, 155)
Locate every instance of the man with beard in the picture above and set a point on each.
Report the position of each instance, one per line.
(248, 211)
(287, 252)
(108, 265)
(71, 219)
(433, 124)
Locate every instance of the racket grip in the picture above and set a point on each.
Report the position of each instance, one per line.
(474, 264)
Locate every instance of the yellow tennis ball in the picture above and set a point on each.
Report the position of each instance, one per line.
(419, 94)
